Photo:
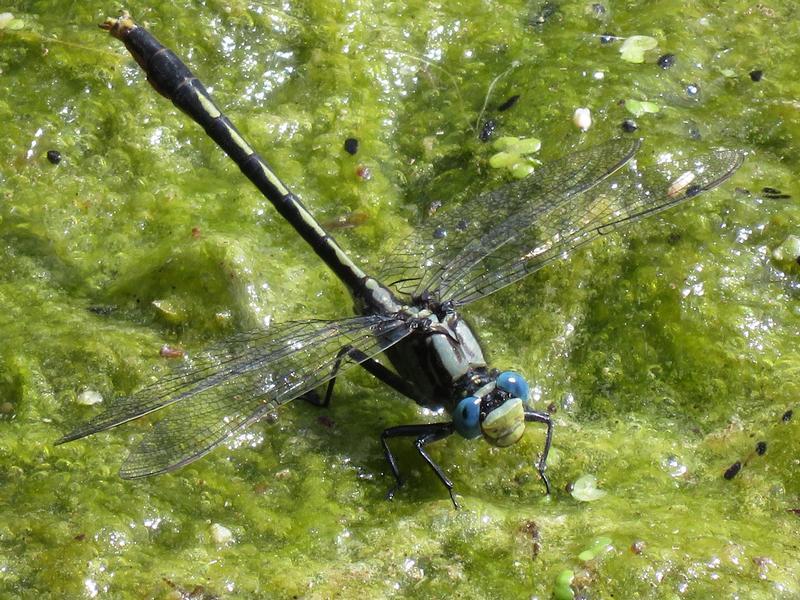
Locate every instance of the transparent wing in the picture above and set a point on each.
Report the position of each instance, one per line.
(234, 383)
(539, 235)
(498, 237)
(459, 237)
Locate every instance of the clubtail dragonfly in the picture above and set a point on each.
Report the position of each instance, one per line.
(409, 311)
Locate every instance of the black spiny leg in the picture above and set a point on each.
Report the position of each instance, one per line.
(427, 433)
(376, 369)
(313, 396)
(542, 417)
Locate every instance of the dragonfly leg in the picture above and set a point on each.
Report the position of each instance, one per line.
(425, 434)
(376, 369)
(542, 417)
(313, 397)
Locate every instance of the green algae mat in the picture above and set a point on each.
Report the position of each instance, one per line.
(667, 354)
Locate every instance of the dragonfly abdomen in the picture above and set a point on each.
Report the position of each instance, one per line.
(174, 80)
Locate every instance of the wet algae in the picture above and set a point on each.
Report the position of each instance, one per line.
(668, 352)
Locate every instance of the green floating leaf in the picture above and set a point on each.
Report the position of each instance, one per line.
(789, 250)
(601, 543)
(633, 48)
(527, 146)
(518, 145)
(565, 577)
(640, 107)
(561, 590)
(563, 593)
(598, 546)
(503, 159)
(521, 170)
(585, 489)
(505, 143)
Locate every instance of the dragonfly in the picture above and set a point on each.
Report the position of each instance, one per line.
(409, 311)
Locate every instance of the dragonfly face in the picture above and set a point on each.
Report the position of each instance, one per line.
(496, 411)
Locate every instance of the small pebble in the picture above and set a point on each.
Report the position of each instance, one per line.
(629, 126)
(351, 145)
(731, 471)
(6, 408)
(637, 547)
(761, 448)
(598, 9)
(89, 398)
(508, 103)
(756, 75)
(607, 38)
(54, 156)
(665, 61)
(582, 118)
(487, 131)
(363, 172)
(548, 10)
(326, 421)
(221, 534)
(168, 351)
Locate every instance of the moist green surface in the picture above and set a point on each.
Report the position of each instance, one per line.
(668, 351)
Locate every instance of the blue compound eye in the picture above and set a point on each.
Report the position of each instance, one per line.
(466, 417)
(513, 383)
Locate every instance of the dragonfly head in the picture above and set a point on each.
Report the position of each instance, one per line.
(496, 411)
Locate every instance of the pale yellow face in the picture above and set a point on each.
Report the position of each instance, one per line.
(505, 425)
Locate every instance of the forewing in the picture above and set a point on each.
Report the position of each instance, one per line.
(526, 242)
(449, 244)
(236, 382)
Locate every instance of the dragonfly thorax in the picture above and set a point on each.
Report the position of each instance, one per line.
(437, 356)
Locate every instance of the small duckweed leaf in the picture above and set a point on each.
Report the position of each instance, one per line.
(633, 48)
(585, 489)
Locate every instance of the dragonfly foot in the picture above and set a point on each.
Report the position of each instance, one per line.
(392, 491)
(545, 480)
(456, 505)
